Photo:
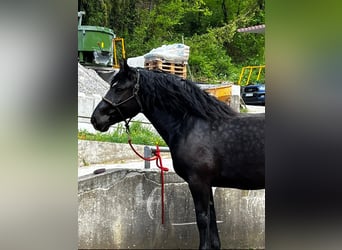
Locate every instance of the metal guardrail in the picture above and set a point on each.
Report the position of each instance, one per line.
(150, 151)
(251, 68)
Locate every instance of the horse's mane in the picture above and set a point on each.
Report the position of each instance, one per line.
(181, 97)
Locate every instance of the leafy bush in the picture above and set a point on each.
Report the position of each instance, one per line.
(208, 58)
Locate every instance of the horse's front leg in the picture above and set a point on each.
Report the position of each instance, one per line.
(214, 236)
(201, 196)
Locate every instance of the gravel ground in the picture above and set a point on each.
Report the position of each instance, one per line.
(90, 83)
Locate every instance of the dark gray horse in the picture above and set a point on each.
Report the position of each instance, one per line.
(210, 144)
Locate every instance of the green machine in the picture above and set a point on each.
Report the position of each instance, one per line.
(95, 44)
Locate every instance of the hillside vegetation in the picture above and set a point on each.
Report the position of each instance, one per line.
(209, 27)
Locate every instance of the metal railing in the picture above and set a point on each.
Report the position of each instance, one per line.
(150, 151)
(251, 68)
(123, 51)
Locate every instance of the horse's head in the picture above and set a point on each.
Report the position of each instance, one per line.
(120, 102)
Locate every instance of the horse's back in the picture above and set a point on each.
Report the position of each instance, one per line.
(227, 153)
(240, 153)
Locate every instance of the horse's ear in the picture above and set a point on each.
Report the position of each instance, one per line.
(124, 65)
(127, 70)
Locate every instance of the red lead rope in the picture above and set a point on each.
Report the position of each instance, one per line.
(159, 164)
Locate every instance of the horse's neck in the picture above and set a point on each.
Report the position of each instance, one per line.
(168, 126)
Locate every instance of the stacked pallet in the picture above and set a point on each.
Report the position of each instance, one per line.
(168, 58)
(178, 69)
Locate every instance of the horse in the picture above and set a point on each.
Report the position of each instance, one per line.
(211, 145)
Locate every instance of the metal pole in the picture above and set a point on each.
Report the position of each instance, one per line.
(149, 151)
(241, 74)
(147, 154)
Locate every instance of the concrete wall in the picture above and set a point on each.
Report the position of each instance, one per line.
(87, 103)
(122, 209)
(86, 106)
(94, 152)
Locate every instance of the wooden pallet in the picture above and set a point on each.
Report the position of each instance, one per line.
(168, 67)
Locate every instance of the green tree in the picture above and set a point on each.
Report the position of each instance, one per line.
(159, 24)
(209, 27)
(97, 12)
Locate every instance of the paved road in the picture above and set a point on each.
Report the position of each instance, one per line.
(256, 108)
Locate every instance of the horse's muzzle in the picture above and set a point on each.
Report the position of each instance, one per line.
(93, 121)
(97, 126)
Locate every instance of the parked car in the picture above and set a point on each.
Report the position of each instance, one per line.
(253, 94)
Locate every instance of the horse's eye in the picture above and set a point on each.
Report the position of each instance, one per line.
(119, 89)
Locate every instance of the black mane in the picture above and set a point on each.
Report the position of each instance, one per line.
(181, 97)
